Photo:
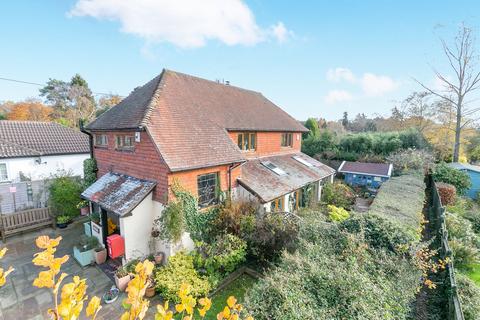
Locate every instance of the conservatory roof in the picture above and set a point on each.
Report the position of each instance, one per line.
(118, 193)
(271, 177)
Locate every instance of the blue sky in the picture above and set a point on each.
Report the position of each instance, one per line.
(312, 58)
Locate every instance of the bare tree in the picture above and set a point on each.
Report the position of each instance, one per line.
(463, 61)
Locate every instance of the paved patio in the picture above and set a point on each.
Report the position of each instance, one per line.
(19, 299)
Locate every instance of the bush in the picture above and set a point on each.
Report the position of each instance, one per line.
(410, 161)
(338, 194)
(269, 235)
(447, 193)
(457, 178)
(222, 256)
(336, 214)
(229, 218)
(65, 191)
(379, 232)
(179, 270)
(469, 294)
(334, 275)
(171, 223)
(463, 241)
(89, 171)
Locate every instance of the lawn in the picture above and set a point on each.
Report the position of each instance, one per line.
(237, 288)
(474, 273)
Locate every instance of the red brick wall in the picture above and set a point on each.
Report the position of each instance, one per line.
(188, 179)
(144, 162)
(269, 143)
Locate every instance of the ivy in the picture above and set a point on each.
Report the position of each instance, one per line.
(89, 171)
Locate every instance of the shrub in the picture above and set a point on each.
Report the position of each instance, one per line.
(89, 171)
(65, 191)
(171, 223)
(469, 294)
(460, 179)
(338, 194)
(179, 270)
(229, 218)
(334, 275)
(269, 236)
(463, 253)
(336, 214)
(410, 161)
(222, 256)
(379, 232)
(447, 193)
(463, 241)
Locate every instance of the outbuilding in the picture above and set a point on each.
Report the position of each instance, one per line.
(474, 174)
(372, 175)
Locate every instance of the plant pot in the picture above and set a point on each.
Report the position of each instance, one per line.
(159, 258)
(101, 256)
(150, 292)
(62, 225)
(85, 211)
(122, 283)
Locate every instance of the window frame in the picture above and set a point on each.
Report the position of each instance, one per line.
(120, 143)
(277, 204)
(104, 141)
(287, 140)
(213, 195)
(246, 144)
(6, 173)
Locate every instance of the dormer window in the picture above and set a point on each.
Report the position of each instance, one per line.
(101, 140)
(124, 142)
(247, 141)
(287, 139)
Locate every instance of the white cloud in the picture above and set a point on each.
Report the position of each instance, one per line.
(377, 85)
(335, 96)
(184, 23)
(281, 33)
(340, 74)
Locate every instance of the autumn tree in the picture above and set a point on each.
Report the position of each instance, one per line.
(463, 61)
(31, 109)
(106, 102)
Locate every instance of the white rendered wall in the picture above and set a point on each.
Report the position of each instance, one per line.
(48, 165)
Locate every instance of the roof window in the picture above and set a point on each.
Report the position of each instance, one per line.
(303, 161)
(274, 168)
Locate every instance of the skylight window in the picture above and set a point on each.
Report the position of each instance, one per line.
(303, 161)
(274, 168)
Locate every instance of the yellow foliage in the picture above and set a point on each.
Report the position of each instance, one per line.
(136, 291)
(93, 307)
(4, 273)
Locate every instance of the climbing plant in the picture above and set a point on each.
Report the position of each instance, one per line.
(89, 171)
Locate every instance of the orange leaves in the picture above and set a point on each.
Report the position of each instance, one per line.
(3, 273)
(232, 310)
(46, 259)
(44, 242)
(30, 110)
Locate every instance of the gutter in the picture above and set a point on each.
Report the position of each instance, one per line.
(90, 136)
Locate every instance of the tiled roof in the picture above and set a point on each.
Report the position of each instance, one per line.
(375, 169)
(118, 193)
(257, 178)
(30, 138)
(188, 118)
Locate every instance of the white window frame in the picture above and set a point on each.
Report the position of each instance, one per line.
(6, 172)
(104, 140)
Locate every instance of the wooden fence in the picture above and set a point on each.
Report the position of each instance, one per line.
(437, 214)
(24, 221)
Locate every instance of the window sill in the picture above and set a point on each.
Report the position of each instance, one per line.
(125, 150)
(100, 147)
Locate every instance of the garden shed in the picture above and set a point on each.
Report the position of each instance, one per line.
(366, 174)
(474, 174)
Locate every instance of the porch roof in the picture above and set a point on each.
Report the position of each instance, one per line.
(118, 193)
(296, 171)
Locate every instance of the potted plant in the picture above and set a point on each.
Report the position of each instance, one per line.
(158, 257)
(84, 207)
(62, 221)
(111, 295)
(100, 254)
(122, 278)
(150, 291)
(83, 252)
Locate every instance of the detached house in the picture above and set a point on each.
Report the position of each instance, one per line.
(210, 137)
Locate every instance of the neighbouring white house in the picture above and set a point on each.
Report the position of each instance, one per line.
(33, 151)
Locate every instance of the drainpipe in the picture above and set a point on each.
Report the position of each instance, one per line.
(90, 136)
(230, 168)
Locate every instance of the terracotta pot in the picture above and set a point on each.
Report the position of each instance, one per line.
(122, 283)
(150, 291)
(85, 211)
(101, 256)
(159, 258)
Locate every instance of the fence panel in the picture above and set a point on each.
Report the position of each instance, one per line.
(26, 195)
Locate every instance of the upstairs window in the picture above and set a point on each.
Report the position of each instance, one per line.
(208, 189)
(247, 141)
(287, 139)
(124, 142)
(101, 140)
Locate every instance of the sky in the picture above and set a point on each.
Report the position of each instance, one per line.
(312, 58)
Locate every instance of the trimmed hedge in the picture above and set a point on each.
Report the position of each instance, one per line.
(447, 193)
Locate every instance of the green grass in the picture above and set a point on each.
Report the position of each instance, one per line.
(474, 273)
(237, 288)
